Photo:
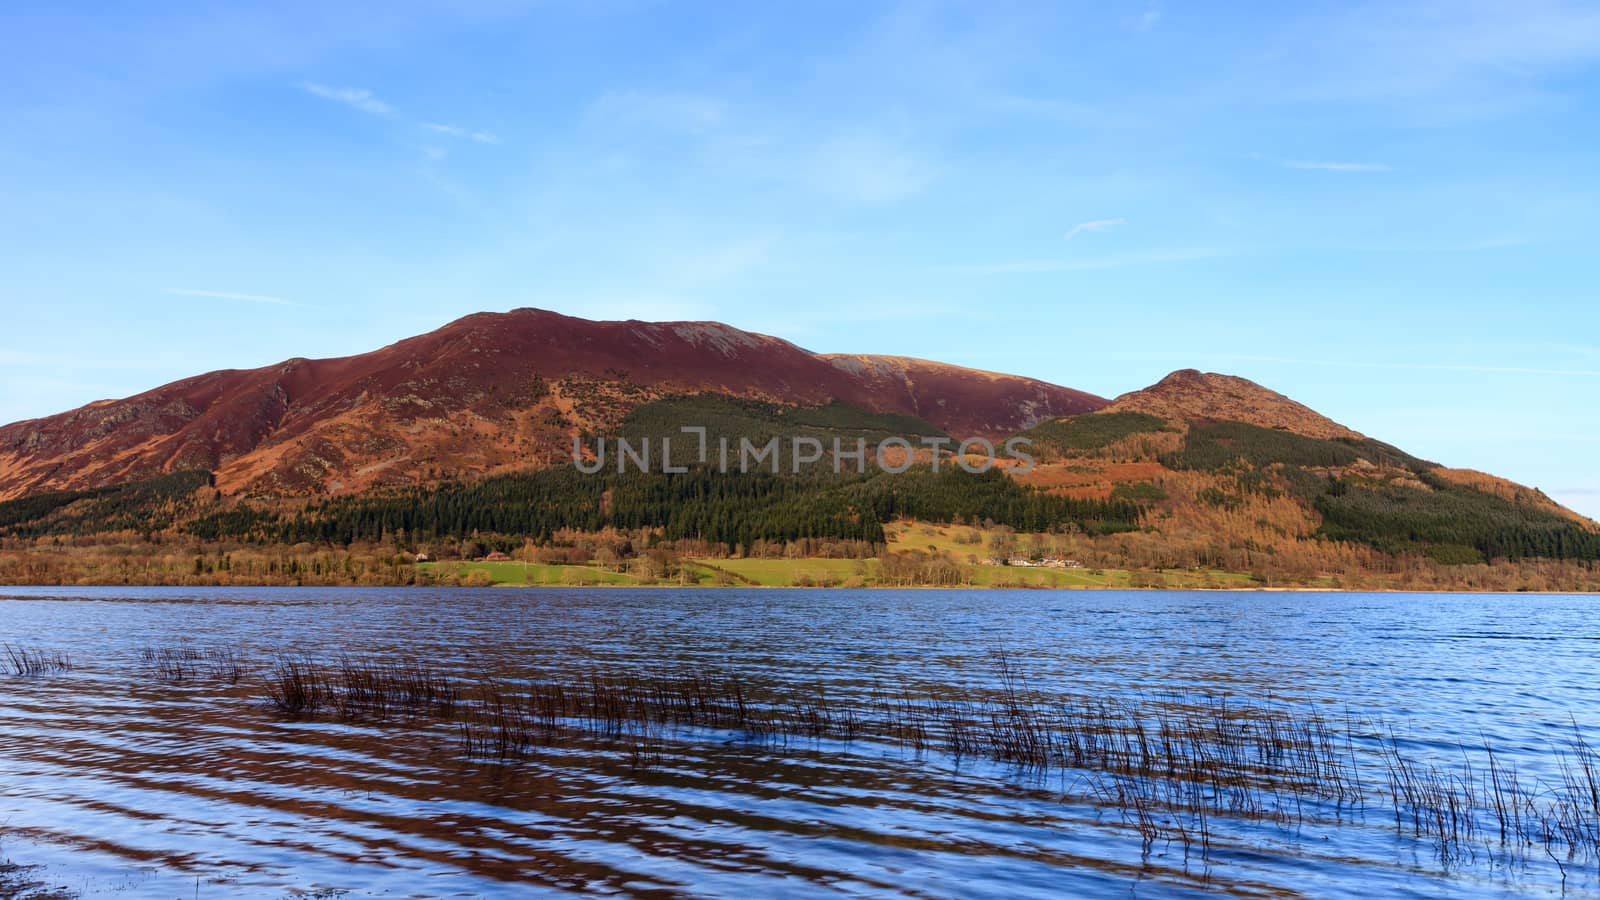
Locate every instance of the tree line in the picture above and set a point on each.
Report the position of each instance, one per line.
(702, 504)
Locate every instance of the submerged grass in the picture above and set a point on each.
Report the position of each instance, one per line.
(33, 661)
(1169, 767)
(182, 664)
(353, 689)
(18, 882)
(22, 882)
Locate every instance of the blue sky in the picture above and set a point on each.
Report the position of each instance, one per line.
(1387, 211)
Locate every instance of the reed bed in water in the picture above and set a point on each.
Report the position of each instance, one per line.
(33, 661)
(1169, 767)
(182, 664)
(356, 689)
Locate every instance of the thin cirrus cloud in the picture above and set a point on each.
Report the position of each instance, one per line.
(669, 110)
(355, 98)
(230, 295)
(872, 169)
(456, 131)
(1333, 166)
(366, 101)
(1093, 226)
(1021, 267)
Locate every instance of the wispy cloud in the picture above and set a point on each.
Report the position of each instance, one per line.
(456, 131)
(670, 110)
(871, 169)
(1436, 367)
(1056, 109)
(1147, 21)
(1155, 257)
(1094, 225)
(870, 164)
(1470, 58)
(355, 98)
(230, 295)
(368, 102)
(1329, 166)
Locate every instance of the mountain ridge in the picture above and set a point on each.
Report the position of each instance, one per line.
(483, 393)
(459, 441)
(491, 393)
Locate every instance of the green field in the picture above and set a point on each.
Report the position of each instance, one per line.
(797, 572)
(816, 573)
(735, 573)
(520, 573)
(1007, 576)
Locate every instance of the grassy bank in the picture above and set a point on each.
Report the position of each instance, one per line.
(914, 554)
(816, 573)
(905, 538)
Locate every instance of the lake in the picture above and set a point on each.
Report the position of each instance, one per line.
(798, 743)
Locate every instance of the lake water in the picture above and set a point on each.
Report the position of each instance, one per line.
(117, 780)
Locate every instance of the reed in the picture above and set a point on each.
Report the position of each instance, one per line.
(1171, 767)
(368, 688)
(358, 689)
(177, 665)
(33, 661)
(297, 686)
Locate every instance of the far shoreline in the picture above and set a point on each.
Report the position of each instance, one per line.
(818, 588)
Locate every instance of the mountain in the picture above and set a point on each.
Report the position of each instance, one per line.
(1228, 465)
(1191, 394)
(458, 441)
(1188, 396)
(488, 392)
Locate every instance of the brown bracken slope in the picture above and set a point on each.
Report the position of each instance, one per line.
(1188, 396)
(487, 392)
(1191, 394)
(985, 403)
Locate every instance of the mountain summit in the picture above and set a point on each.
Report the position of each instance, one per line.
(1191, 394)
(488, 392)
